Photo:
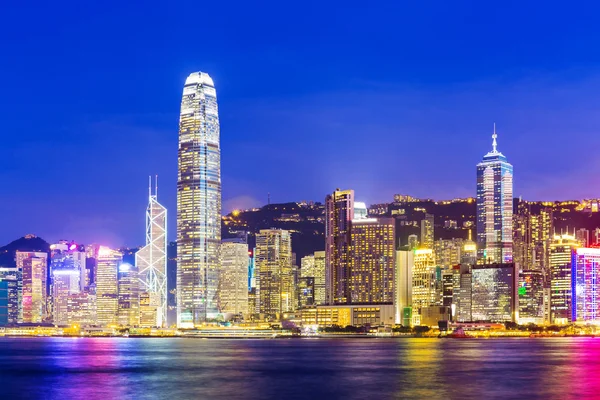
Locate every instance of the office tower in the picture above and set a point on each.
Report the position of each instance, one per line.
(586, 284)
(532, 237)
(531, 297)
(427, 227)
(273, 258)
(233, 277)
(561, 250)
(494, 295)
(448, 286)
(68, 276)
(462, 297)
(494, 207)
(81, 309)
(11, 282)
(583, 237)
(34, 269)
(313, 266)
(306, 291)
(128, 295)
(151, 260)
(448, 252)
(413, 242)
(469, 252)
(251, 271)
(405, 260)
(339, 212)
(198, 202)
(91, 264)
(149, 305)
(107, 289)
(319, 275)
(372, 260)
(426, 285)
(360, 210)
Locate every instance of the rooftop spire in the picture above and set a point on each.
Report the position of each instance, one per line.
(494, 143)
(149, 186)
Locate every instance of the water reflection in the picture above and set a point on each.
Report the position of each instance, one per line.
(63, 368)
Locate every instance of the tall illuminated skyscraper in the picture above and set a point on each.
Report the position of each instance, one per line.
(274, 269)
(34, 269)
(561, 288)
(151, 260)
(372, 260)
(586, 284)
(495, 207)
(107, 290)
(233, 277)
(427, 228)
(198, 202)
(339, 212)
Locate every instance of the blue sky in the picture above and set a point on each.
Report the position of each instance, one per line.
(381, 97)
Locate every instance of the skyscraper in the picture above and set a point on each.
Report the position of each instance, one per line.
(339, 212)
(34, 269)
(313, 266)
(372, 260)
(233, 277)
(198, 202)
(151, 260)
(427, 227)
(107, 290)
(561, 250)
(273, 257)
(494, 207)
(68, 276)
(586, 285)
(426, 287)
(129, 295)
(405, 260)
(494, 292)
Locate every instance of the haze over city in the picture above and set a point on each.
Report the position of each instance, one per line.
(307, 103)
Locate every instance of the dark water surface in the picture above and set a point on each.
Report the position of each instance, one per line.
(120, 368)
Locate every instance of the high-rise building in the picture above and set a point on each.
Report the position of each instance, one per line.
(427, 229)
(129, 295)
(495, 207)
(372, 260)
(68, 276)
(426, 283)
(532, 237)
(81, 309)
(339, 212)
(151, 260)
(561, 250)
(403, 276)
(34, 269)
(448, 252)
(306, 291)
(198, 202)
(319, 275)
(586, 284)
(531, 297)
(463, 296)
(583, 237)
(107, 289)
(233, 277)
(273, 258)
(11, 282)
(413, 242)
(313, 266)
(494, 292)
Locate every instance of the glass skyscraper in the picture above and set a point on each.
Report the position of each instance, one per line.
(198, 202)
(151, 260)
(494, 207)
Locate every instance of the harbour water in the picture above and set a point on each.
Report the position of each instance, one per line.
(376, 368)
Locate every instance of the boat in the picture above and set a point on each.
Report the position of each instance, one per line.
(457, 333)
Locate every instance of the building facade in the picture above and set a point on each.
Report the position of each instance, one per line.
(586, 285)
(233, 277)
(34, 270)
(372, 260)
(495, 207)
(273, 259)
(198, 202)
(151, 260)
(339, 213)
(561, 250)
(494, 292)
(107, 289)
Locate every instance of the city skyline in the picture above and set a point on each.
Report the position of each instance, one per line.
(429, 84)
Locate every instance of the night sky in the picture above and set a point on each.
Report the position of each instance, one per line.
(382, 97)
